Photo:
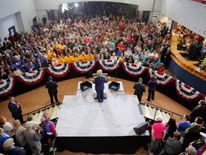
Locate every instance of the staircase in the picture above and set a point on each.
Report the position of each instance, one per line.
(52, 111)
(150, 111)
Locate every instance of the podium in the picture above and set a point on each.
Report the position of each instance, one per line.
(85, 85)
(114, 85)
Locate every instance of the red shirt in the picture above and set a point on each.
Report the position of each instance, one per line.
(158, 129)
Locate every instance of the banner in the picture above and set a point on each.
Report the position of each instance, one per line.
(32, 77)
(6, 86)
(109, 65)
(187, 92)
(84, 66)
(161, 79)
(59, 70)
(133, 69)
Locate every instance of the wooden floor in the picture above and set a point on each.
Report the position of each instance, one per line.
(39, 97)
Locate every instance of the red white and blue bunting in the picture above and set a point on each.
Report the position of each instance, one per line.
(187, 92)
(161, 79)
(6, 86)
(133, 69)
(109, 65)
(84, 66)
(59, 70)
(32, 77)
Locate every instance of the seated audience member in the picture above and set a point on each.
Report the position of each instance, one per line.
(33, 139)
(19, 133)
(50, 132)
(184, 125)
(199, 110)
(173, 146)
(11, 149)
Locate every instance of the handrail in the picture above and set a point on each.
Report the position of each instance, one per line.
(37, 110)
(163, 109)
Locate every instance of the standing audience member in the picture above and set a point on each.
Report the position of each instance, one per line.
(7, 126)
(50, 131)
(184, 125)
(11, 149)
(151, 88)
(158, 129)
(190, 150)
(171, 128)
(173, 146)
(199, 111)
(158, 134)
(139, 89)
(30, 121)
(193, 133)
(15, 109)
(52, 90)
(3, 138)
(19, 133)
(33, 139)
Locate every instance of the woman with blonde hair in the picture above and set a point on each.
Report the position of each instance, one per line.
(19, 129)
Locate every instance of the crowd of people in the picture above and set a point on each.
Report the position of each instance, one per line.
(85, 38)
(27, 137)
(186, 137)
(193, 44)
(90, 38)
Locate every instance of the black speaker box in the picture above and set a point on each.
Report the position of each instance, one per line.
(114, 85)
(85, 85)
(141, 128)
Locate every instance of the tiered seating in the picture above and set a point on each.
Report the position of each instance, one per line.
(150, 112)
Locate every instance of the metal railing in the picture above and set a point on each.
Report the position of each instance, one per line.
(162, 109)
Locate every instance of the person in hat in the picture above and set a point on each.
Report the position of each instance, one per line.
(158, 129)
(99, 85)
(52, 90)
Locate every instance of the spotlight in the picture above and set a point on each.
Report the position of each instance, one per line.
(76, 5)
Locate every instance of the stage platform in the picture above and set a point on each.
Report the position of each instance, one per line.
(89, 126)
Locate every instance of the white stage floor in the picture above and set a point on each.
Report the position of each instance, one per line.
(82, 116)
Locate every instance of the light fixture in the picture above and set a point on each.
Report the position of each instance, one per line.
(76, 5)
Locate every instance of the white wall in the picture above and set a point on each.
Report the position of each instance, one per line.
(145, 5)
(25, 7)
(187, 13)
(6, 23)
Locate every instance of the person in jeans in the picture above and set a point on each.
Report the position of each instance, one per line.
(151, 88)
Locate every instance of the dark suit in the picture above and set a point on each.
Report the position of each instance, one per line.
(16, 111)
(52, 90)
(99, 87)
(139, 90)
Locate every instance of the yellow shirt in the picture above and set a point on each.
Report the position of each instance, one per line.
(60, 60)
(89, 56)
(76, 59)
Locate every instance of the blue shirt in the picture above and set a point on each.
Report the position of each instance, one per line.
(182, 126)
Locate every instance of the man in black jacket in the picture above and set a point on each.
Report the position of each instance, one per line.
(52, 90)
(139, 89)
(15, 109)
